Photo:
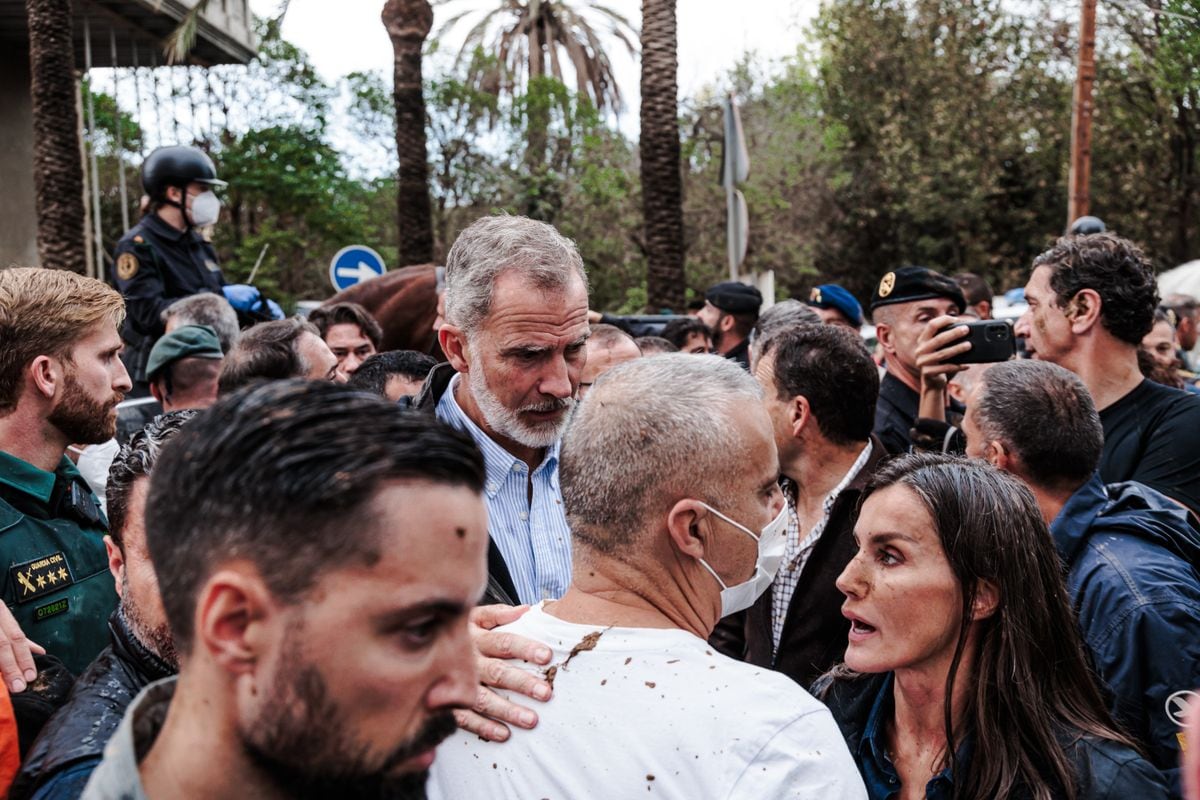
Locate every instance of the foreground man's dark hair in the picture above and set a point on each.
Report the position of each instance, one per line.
(283, 475)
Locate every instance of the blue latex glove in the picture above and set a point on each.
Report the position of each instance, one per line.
(242, 296)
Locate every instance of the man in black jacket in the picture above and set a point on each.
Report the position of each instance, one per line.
(822, 419)
(141, 650)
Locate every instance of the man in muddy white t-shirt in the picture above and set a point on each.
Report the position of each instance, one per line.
(665, 542)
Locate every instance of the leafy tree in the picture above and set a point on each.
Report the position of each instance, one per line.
(1146, 158)
(533, 43)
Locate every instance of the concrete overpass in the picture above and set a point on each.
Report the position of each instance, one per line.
(140, 28)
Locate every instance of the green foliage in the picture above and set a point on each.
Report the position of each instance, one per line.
(901, 131)
(108, 117)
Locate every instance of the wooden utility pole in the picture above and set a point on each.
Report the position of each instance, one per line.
(1081, 115)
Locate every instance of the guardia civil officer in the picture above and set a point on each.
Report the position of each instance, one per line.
(164, 257)
(60, 383)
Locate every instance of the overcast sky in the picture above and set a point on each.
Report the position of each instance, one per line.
(347, 36)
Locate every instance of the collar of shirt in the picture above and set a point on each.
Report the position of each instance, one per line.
(1070, 528)
(847, 479)
(28, 479)
(162, 229)
(498, 463)
(797, 546)
(908, 402)
(117, 775)
(878, 772)
(899, 395)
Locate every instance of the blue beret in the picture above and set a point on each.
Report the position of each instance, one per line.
(830, 295)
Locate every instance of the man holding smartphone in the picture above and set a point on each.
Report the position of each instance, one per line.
(910, 308)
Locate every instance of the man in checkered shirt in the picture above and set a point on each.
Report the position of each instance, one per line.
(821, 386)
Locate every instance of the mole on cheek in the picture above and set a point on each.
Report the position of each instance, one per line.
(460, 533)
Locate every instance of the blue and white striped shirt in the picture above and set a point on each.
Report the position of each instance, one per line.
(533, 537)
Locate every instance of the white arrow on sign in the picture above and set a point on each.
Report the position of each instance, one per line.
(362, 272)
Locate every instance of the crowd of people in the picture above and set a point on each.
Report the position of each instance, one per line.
(744, 558)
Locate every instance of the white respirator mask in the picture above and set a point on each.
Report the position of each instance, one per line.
(771, 544)
(206, 208)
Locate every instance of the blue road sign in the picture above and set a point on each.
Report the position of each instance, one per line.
(355, 264)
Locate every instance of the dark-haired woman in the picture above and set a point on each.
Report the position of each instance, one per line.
(964, 674)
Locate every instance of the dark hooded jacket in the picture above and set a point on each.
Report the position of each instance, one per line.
(1133, 572)
(72, 743)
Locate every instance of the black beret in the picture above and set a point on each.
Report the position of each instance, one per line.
(915, 283)
(735, 298)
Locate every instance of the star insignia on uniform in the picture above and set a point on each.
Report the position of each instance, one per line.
(41, 582)
(62, 573)
(50, 576)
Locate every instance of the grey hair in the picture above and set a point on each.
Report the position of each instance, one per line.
(779, 318)
(649, 432)
(493, 245)
(206, 308)
(1045, 415)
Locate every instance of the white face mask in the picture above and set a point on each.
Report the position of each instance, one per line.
(771, 544)
(206, 208)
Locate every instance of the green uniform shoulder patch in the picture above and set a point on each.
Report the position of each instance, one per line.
(41, 576)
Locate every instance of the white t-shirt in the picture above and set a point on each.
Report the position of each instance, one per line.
(653, 713)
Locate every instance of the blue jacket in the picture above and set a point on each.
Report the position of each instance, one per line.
(1133, 572)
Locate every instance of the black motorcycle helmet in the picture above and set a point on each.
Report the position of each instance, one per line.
(177, 165)
(1086, 226)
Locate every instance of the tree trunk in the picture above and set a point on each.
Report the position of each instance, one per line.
(408, 22)
(57, 164)
(662, 183)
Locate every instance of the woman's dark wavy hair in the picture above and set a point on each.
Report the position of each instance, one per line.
(1032, 685)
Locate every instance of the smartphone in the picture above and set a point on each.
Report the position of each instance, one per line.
(991, 340)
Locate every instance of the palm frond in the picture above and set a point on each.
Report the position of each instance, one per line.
(181, 40)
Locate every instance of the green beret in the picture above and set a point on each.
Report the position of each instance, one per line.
(187, 341)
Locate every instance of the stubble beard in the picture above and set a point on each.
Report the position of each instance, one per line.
(508, 422)
(81, 418)
(303, 744)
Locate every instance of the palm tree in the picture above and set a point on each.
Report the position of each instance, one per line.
(662, 183)
(57, 161)
(533, 39)
(408, 22)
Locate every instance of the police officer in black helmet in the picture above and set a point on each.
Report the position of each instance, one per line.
(164, 257)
